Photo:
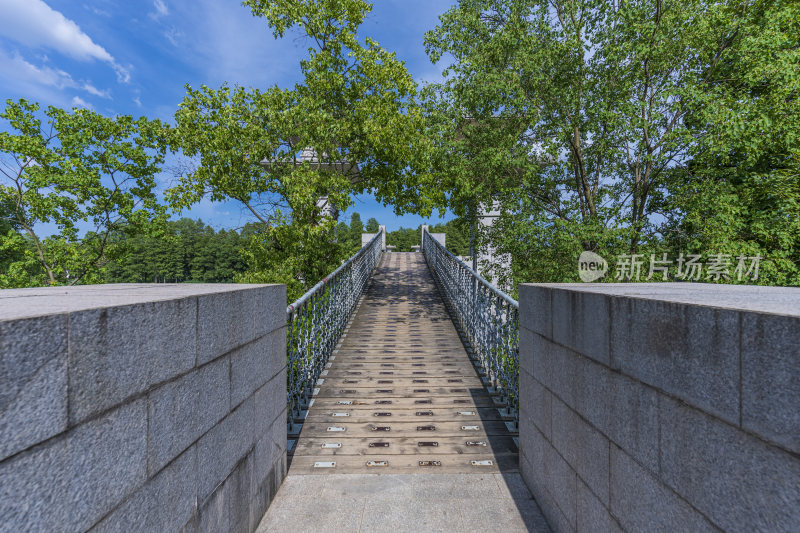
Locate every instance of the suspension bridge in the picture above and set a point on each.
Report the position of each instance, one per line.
(402, 399)
(402, 393)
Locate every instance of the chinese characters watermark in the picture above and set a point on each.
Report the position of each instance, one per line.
(689, 267)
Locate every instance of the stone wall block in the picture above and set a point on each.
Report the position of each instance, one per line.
(556, 368)
(34, 488)
(182, 410)
(268, 400)
(110, 420)
(107, 462)
(689, 351)
(634, 420)
(165, 503)
(538, 400)
(117, 352)
(582, 323)
(270, 309)
(771, 378)
(740, 482)
(642, 503)
(534, 309)
(39, 409)
(583, 447)
(224, 446)
(33, 381)
(593, 514)
(526, 349)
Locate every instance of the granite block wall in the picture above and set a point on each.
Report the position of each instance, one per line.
(661, 407)
(141, 407)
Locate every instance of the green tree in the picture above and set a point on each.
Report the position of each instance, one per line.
(372, 226)
(356, 229)
(576, 115)
(740, 193)
(356, 226)
(403, 239)
(187, 251)
(77, 168)
(354, 106)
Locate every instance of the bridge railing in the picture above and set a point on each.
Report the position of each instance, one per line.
(316, 321)
(487, 317)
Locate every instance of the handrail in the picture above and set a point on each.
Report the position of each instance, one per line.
(316, 321)
(488, 318)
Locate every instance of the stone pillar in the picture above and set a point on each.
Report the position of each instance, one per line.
(661, 406)
(488, 260)
(135, 407)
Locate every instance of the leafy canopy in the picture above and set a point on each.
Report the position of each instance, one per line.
(70, 170)
(355, 110)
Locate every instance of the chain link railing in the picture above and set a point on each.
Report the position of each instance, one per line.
(316, 321)
(487, 317)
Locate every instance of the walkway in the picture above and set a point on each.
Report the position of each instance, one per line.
(402, 435)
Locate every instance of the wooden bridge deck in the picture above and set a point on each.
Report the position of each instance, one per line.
(400, 369)
(401, 394)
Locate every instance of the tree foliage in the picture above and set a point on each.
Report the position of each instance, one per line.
(353, 107)
(187, 251)
(596, 121)
(456, 236)
(69, 171)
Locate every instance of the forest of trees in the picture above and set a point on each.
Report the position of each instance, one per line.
(189, 251)
(645, 129)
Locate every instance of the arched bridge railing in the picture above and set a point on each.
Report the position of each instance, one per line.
(317, 319)
(488, 318)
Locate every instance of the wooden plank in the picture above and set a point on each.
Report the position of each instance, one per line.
(406, 464)
(405, 428)
(401, 380)
(367, 415)
(349, 446)
(368, 402)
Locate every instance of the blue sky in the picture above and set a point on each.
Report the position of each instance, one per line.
(135, 57)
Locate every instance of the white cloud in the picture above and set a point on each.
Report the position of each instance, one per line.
(138, 102)
(172, 35)
(99, 12)
(17, 68)
(123, 74)
(91, 89)
(34, 23)
(77, 101)
(25, 75)
(161, 10)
